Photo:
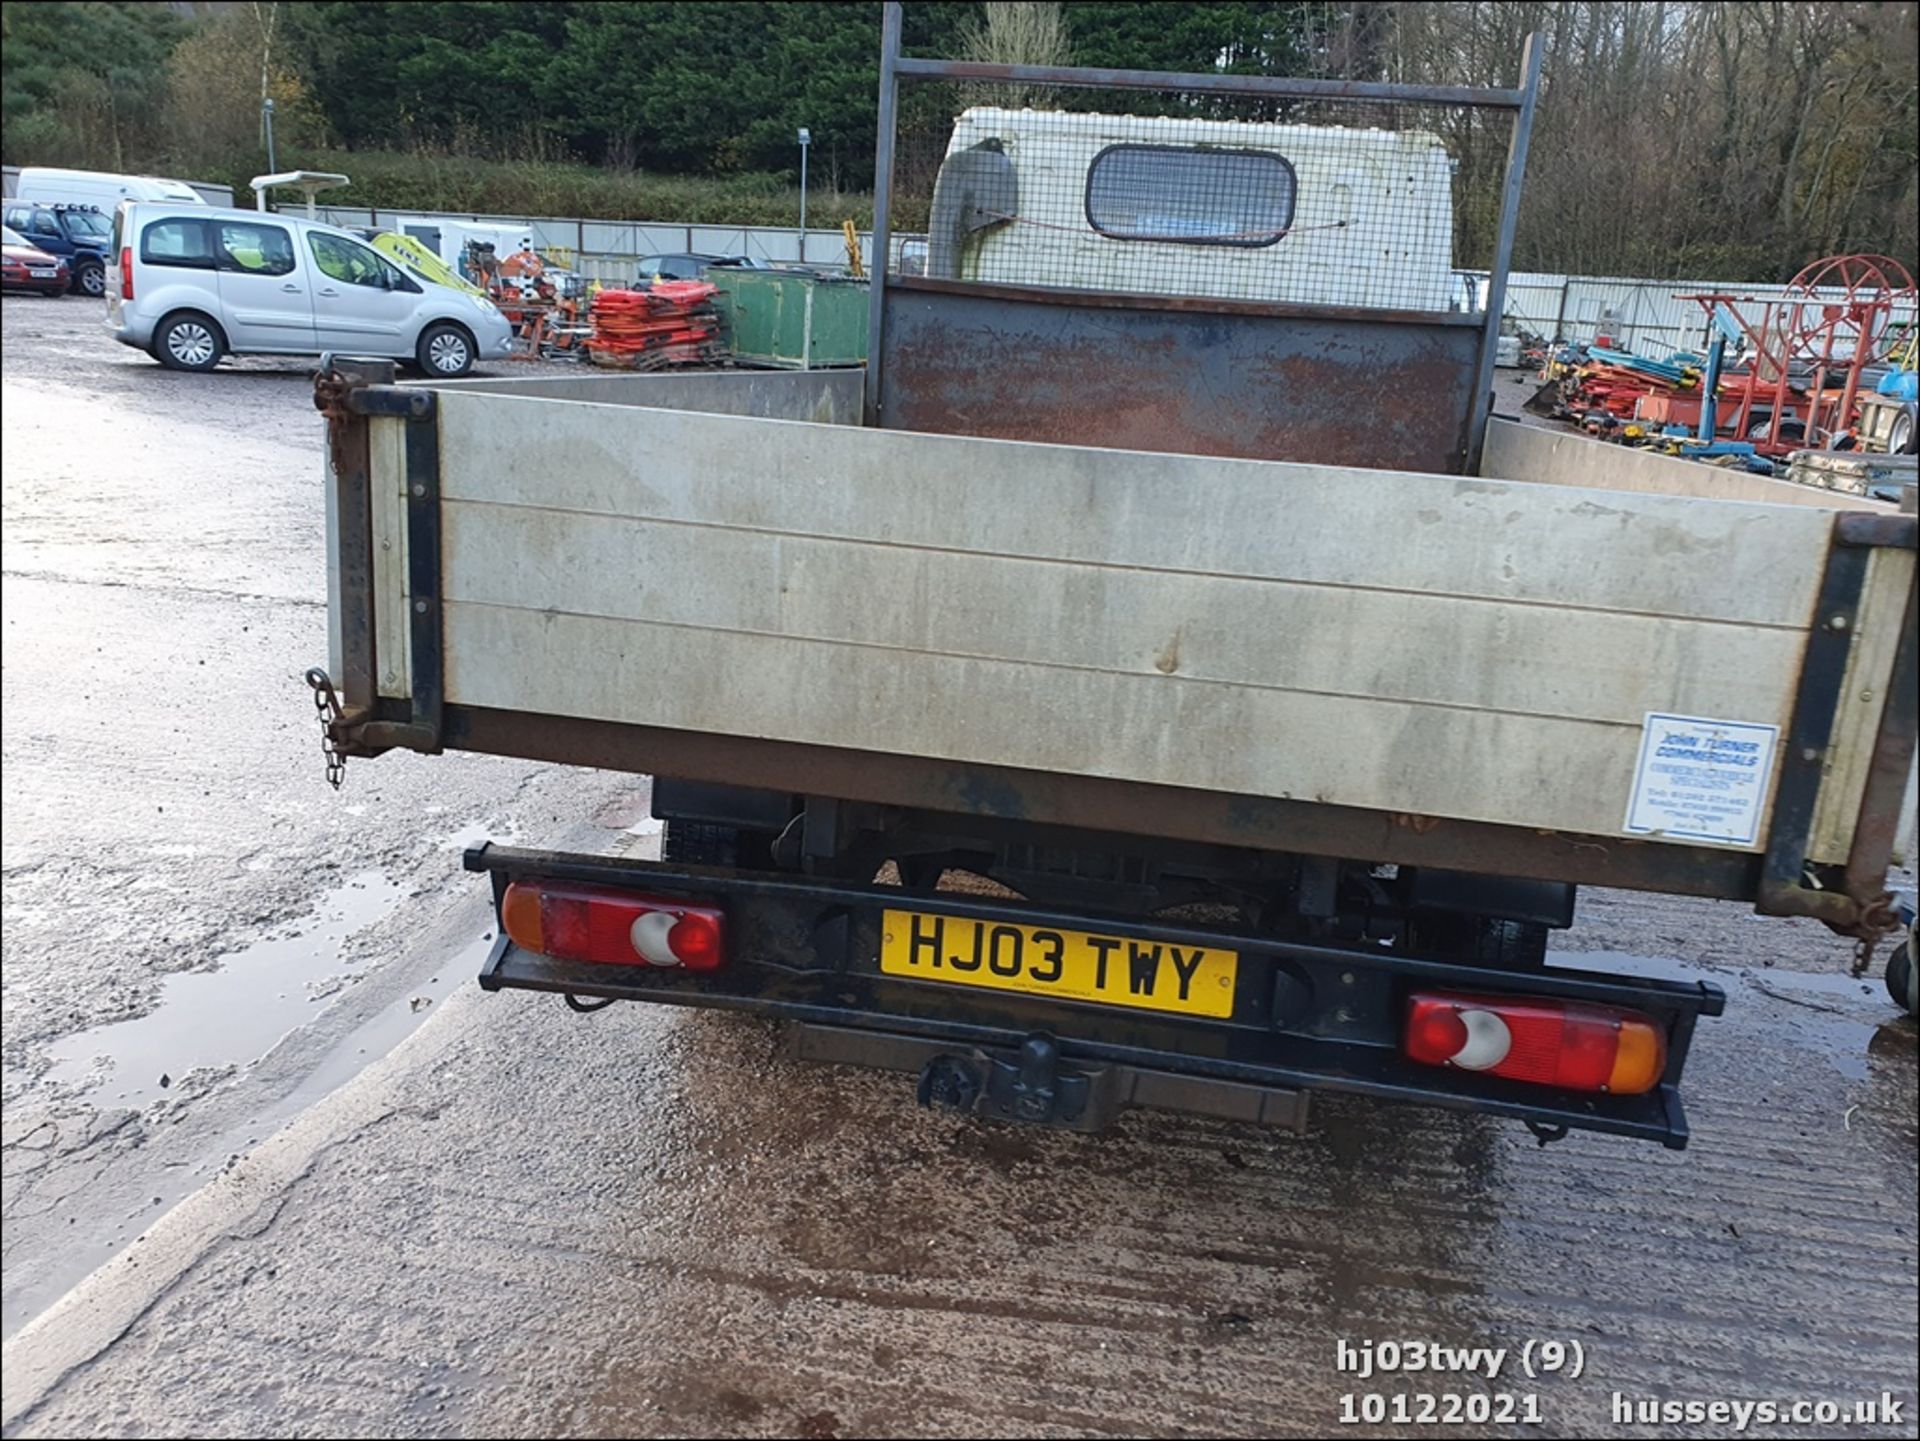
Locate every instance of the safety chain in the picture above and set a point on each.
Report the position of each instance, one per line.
(330, 393)
(327, 704)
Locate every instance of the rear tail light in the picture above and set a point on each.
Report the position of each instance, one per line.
(596, 923)
(126, 272)
(1576, 1045)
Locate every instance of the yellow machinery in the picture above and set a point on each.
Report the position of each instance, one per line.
(414, 256)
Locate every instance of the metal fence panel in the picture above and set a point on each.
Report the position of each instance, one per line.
(602, 237)
(1533, 301)
(737, 240)
(556, 235)
(347, 217)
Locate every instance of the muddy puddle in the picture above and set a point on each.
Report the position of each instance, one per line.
(231, 1016)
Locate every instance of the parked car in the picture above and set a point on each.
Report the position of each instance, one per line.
(50, 186)
(78, 234)
(26, 267)
(190, 285)
(688, 265)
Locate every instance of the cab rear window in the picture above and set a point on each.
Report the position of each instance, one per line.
(177, 242)
(1190, 195)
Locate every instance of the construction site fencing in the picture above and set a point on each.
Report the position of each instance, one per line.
(610, 250)
(1642, 314)
(1648, 317)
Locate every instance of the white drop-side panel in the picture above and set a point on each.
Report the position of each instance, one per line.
(1469, 648)
(1324, 525)
(393, 633)
(1433, 760)
(1365, 644)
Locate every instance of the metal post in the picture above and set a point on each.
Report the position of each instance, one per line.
(1274, 87)
(1710, 386)
(266, 119)
(805, 138)
(1502, 254)
(1789, 323)
(882, 196)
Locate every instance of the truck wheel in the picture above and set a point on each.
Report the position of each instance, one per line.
(701, 843)
(1901, 978)
(91, 279)
(1509, 945)
(1491, 942)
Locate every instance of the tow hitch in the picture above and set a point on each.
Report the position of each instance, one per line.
(1036, 1085)
(1030, 1088)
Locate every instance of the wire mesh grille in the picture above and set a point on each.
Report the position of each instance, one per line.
(1368, 204)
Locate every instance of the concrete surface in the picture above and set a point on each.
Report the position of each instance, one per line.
(491, 1216)
(167, 820)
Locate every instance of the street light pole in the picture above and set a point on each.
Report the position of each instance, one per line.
(266, 119)
(805, 140)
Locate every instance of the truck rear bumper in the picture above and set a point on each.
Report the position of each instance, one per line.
(1307, 1016)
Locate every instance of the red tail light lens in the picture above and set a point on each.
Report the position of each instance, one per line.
(597, 923)
(126, 272)
(1575, 1045)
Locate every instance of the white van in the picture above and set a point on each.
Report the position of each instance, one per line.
(99, 189)
(191, 283)
(1148, 205)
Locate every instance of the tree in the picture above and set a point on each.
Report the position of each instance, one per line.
(1240, 37)
(1009, 32)
(1701, 139)
(80, 83)
(211, 113)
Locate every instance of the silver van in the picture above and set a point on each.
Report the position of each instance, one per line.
(190, 284)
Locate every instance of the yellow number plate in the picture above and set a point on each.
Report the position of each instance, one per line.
(1066, 965)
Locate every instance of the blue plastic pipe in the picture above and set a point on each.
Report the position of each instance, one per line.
(1710, 389)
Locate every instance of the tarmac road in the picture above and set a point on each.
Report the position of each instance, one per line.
(370, 1198)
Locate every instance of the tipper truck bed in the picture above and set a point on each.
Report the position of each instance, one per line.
(1273, 774)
